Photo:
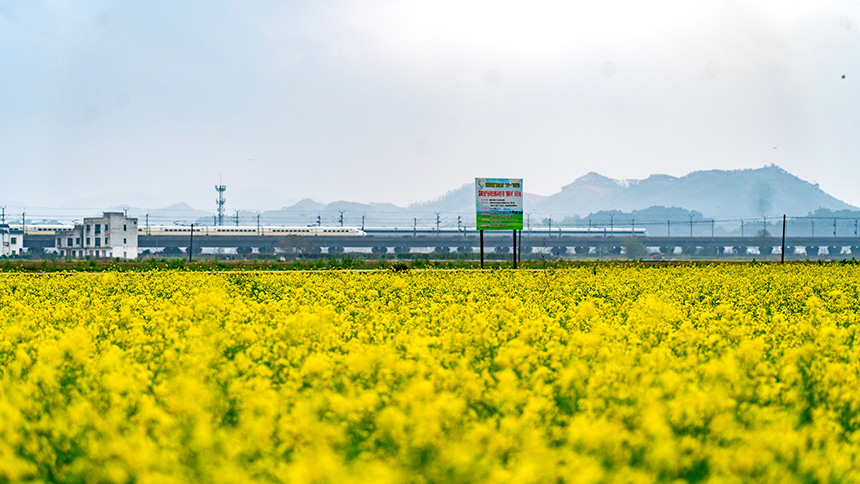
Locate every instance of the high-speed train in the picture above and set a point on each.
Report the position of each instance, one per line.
(223, 230)
(251, 230)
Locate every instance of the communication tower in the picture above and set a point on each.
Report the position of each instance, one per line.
(220, 202)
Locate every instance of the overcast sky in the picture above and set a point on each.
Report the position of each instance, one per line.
(400, 101)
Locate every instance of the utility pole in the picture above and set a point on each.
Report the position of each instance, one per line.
(668, 228)
(459, 222)
(340, 219)
(237, 218)
(633, 225)
(258, 225)
(319, 221)
(782, 252)
(834, 227)
(362, 222)
(437, 222)
(147, 223)
(2, 215)
(813, 227)
(414, 226)
(691, 225)
(742, 227)
(611, 221)
(764, 227)
(191, 244)
(712, 228)
(24, 222)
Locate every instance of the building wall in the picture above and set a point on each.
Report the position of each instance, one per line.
(110, 236)
(11, 241)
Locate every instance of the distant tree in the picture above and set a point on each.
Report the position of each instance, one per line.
(294, 245)
(764, 242)
(634, 247)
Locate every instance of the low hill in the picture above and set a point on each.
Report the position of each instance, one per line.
(768, 191)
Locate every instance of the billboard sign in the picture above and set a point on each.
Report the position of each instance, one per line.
(499, 203)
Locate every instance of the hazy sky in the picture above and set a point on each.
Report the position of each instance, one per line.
(400, 101)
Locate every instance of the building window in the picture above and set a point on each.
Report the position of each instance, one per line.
(98, 241)
(14, 240)
(106, 240)
(124, 241)
(124, 228)
(88, 241)
(98, 229)
(77, 241)
(69, 242)
(88, 227)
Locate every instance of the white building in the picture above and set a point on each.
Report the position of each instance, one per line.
(11, 241)
(113, 235)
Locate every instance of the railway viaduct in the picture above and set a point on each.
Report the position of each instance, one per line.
(563, 244)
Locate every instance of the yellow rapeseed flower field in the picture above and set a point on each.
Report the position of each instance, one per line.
(724, 373)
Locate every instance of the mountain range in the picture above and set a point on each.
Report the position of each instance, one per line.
(719, 194)
(769, 191)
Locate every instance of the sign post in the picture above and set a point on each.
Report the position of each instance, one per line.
(499, 206)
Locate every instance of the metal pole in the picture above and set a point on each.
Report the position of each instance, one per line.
(520, 247)
(782, 253)
(482, 248)
(191, 244)
(515, 249)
